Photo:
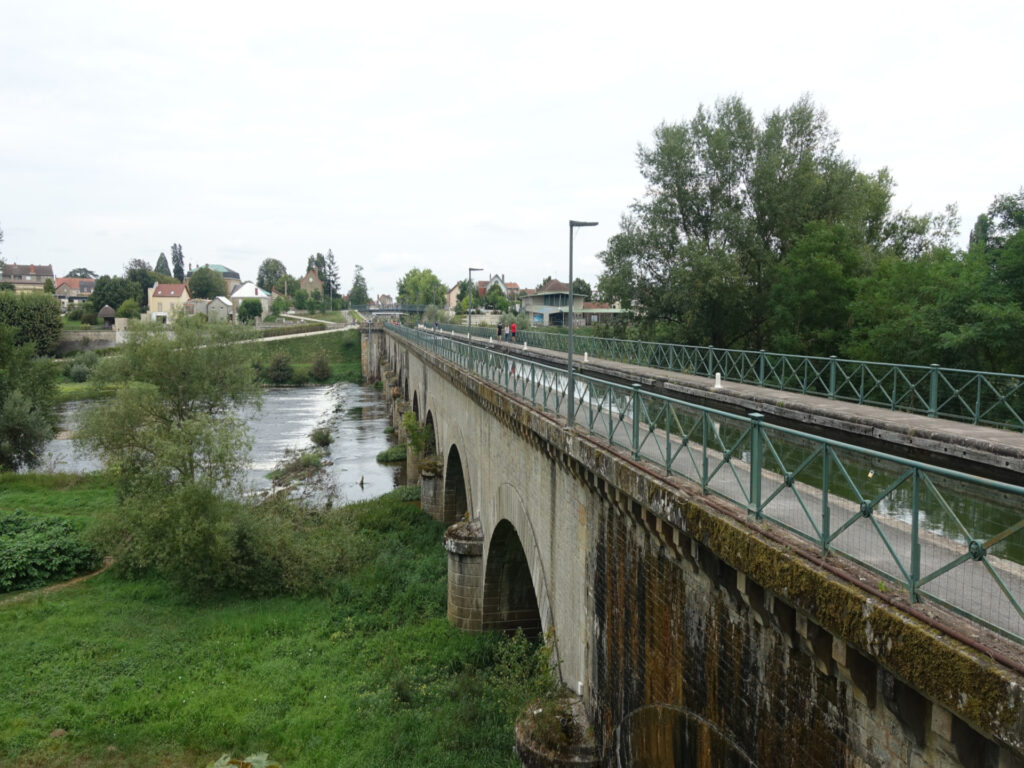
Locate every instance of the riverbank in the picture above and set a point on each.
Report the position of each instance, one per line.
(118, 672)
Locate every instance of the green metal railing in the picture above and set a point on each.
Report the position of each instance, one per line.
(953, 538)
(976, 397)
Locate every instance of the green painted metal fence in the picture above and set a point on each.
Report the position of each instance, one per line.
(976, 397)
(946, 536)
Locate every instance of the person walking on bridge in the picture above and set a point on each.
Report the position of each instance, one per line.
(512, 327)
(500, 326)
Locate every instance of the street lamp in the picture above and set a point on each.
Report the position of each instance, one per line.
(469, 301)
(569, 400)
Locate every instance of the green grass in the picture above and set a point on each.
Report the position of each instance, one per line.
(371, 674)
(81, 497)
(392, 455)
(344, 351)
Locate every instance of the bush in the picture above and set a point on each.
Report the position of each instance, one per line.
(204, 543)
(392, 455)
(35, 551)
(35, 318)
(78, 372)
(280, 370)
(321, 368)
(75, 314)
(89, 317)
(321, 436)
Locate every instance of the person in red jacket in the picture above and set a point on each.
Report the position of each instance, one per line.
(512, 327)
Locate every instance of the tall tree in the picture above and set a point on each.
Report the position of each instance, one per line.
(139, 272)
(287, 285)
(728, 202)
(206, 284)
(358, 295)
(27, 396)
(114, 291)
(178, 262)
(331, 276)
(82, 272)
(581, 287)
(270, 271)
(161, 265)
(420, 287)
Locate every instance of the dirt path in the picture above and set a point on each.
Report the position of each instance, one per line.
(4, 602)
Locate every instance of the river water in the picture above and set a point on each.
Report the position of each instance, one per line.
(356, 416)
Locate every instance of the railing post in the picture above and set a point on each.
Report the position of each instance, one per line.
(704, 450)
(832, 363)
(933, 391)
(636, 421)
(760, 368)
(826, 517)
(915, 540)
(756, 462)
(711, 361)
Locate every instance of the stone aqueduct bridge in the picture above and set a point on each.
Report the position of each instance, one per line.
(693, 635)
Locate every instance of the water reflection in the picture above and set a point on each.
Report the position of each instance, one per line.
(356, 416)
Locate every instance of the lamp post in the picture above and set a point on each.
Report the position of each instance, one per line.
(569, 399)
(469, 301)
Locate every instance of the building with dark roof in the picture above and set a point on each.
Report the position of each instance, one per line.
(27, 277)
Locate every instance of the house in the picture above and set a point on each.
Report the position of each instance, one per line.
(385, 301)
(452, 297)
(231, 278)
(601, 312)
(311, 282)
(73, 291)
(249, 290)
(220, 309)
(27, 277)
(165, 299)
(549, 305)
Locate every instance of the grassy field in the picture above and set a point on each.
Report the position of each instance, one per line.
(368, 674)
(83, 498)
(343, 351)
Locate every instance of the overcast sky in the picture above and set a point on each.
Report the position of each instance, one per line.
(453, 135)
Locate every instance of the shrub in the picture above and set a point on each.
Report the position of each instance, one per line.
(321, 436)
(35, 318)
(78, 372)
(89, 317)
(75, 314)
(204, 543)
(392, 455)
(35, 551)
(321, 368)
(280, 370)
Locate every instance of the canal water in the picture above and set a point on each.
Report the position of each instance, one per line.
(355, 415)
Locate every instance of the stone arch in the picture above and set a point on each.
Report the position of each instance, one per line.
(510, 600)
(428, 422)
(658, 734)
(456, 489)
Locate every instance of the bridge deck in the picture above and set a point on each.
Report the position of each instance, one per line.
(987, 451)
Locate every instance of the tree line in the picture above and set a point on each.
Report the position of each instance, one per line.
(761, 234)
